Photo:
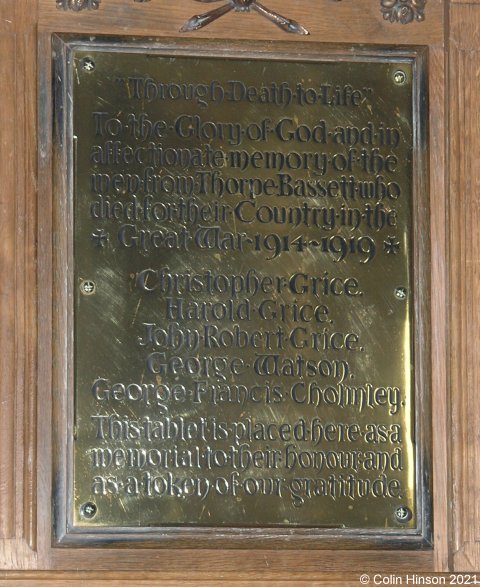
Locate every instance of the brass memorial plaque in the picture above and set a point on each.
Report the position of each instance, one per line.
(243, 292)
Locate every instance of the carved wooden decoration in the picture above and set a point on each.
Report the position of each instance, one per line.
(78, 5)
(402, 11)
(202, 20)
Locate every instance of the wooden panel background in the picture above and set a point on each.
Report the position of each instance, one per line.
(464, 68)
(18, 293)
(452, 33)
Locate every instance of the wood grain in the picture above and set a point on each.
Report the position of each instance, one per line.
(8, 217)
(18, 286)
(439, 318)
(146, 580)
(352, 21)
(245, 564)
(149, 580)
(464, 123)
(26, 182)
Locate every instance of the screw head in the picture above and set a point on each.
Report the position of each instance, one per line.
(88, 287)
(88, 510)
(399, 77)
(88, 64)
(401, 293)
(403, 514)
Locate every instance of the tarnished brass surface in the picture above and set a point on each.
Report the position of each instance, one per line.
(243, 292)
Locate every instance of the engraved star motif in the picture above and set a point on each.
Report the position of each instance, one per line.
(391, 245)
(100, 236)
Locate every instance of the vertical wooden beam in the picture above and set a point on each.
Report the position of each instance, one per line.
(18, 283)
(464, 149)
(8, 216)
(439, 273)
(26, 178)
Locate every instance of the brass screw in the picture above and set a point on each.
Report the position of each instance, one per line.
(88, 287)
(88, 64)
(399, 77)
(403, 514)
(88, 510)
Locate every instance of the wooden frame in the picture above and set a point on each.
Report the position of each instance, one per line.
(62, 299)
(451, 31)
